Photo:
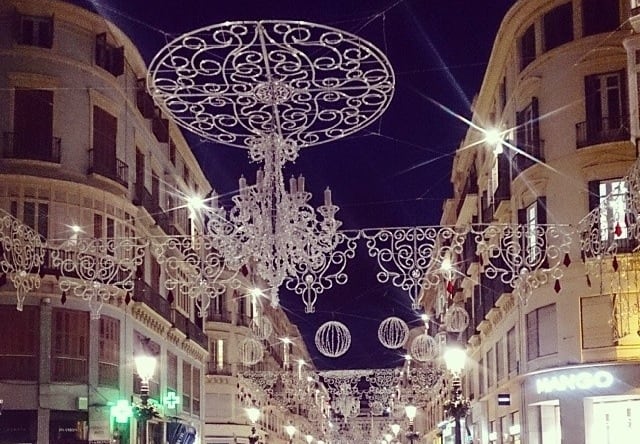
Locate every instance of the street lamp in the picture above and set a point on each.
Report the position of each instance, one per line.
(309, 438)
(253, 413)
(395, 429)
(454, 358)
(291, 430)
(145, 367)
(410, 410)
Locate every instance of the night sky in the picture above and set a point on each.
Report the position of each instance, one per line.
(393, 173)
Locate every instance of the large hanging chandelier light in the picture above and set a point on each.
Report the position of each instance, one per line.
(275, 229)
(274, 87)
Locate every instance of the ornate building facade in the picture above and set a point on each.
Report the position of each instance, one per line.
(553, 344)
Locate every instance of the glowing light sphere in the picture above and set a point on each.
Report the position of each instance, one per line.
(251, 351)
(393, 333)
(456, 319)
(333, 339)
(424, 348)
(261, 327)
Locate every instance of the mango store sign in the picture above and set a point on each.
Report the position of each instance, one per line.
(584, 380)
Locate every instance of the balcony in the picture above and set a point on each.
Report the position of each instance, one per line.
(217, 369)
(243, 320)
(224, 316)
(191, 330)
(112, 168)
(143, 292)
(144, 102)
(604, 130)
(19, 146)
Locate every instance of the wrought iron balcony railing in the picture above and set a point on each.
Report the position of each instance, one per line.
(19, 146)
(606, 129)
(111, 168)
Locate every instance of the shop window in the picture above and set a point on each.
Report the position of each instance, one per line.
(69, 346)
(34, 30)
(542, 336)
(600, 16)
(109, 352)
(19, 349)
(615, 421)
(527, 45)
(558, 26)
(108, 57)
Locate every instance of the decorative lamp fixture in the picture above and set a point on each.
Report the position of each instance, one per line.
(291, 431)
(457, 406)
(395, 429)
(309, 438)
(456, 319)
(251, 351)
(424, 347)
(411, 410)
(253, 413)
(454, 358)
(145, 367)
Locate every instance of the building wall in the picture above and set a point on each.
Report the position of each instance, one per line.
(578, 140)
(70, 190)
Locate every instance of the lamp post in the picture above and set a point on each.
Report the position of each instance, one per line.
(410, 410)
(145, 367)
(291, 430)
(395, 429)
(454, 358)
(254, 414)
(309, 438)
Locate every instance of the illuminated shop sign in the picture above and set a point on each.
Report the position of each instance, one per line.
(574, 381)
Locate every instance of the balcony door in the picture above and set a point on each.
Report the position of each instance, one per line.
(105, 129)
(605, 100)
(33, 124)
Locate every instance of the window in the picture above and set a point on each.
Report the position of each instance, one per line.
(32, 136)
(172, 152)
(109, 57)
(542, 332)
(491, 368)
(105, 131)
(527, 138)
(605, 101)
(69, 345)
(19, 349)
(172, 372)
(596, 317)
(613, 196)
(512, 352)
(109, 352)
(482, 385)
(599, 16)
(195, 388)
(532, 218)
(527, 44)
(34, 30)
(186, 387)
(558, 26)
(503, 94)
(36, 216)
(532, 231)
(500, 367)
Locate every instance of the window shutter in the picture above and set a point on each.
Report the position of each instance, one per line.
(16, 25)
(45, 33)
(535, 116)
(532, 335)
(541, 210)
(594, 194)
(117, 61)
(592, 104)
(547, 330)
(101, 49)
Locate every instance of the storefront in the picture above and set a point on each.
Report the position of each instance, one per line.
(596, 404)
(18, 426)
(68, 427)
